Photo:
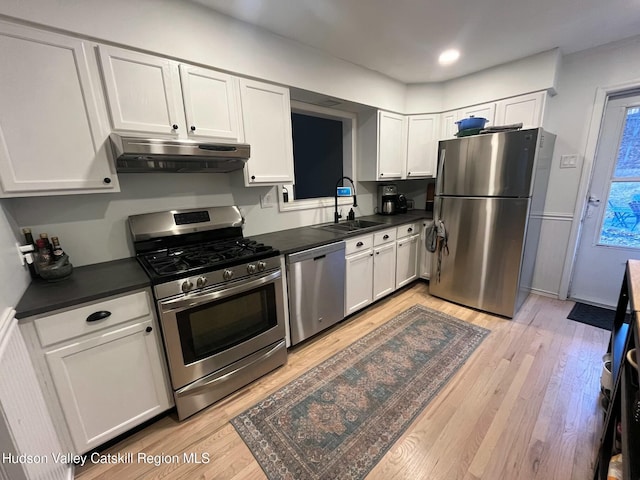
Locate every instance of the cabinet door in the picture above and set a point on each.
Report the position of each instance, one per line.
(53, 132)
(266, 116)
(527, 109)
(109, 383)
(359, 281)
(384, 270)
(424, 255)
(210, 103)
(487, 111)
(422, 145)
(392, 145)
(407, 260)
(448, 127)
(143, 92)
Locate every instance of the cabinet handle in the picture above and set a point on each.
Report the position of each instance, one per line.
(174, 126)
(382, 174)
(359, 244)
(253, 177)
(377, 253)
(399, 244)
(101, 315)
(106, 180)
(193, 128)
(385, 237)
(409, 230)
(408, 173)
(148, 329)
(371, 254)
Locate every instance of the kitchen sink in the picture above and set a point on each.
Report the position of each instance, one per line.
(350, 226)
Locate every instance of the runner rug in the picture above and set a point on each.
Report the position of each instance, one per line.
(337, 420)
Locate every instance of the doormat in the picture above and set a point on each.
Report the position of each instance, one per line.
(339, 419)
(591, 315)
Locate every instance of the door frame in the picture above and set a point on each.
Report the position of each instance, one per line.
(590, 152)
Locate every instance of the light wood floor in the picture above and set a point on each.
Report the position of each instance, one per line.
(525, 405)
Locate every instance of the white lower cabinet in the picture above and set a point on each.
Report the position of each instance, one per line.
(359, 274)
(384, 263)
(107, 366)
(407, 254)
(424, 255)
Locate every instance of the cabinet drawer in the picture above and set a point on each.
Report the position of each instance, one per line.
(406, 230)
(358, 244)
(73, 323)
(385, 236)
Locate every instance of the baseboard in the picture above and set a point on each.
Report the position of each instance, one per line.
(545, 293)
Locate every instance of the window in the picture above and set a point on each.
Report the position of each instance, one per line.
(323, 151)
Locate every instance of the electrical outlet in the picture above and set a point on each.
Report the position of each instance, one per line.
(266, 200)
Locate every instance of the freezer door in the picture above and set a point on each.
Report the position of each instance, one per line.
(486, 238)
(494, 165)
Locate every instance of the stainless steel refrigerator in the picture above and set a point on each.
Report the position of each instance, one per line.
(490, 194)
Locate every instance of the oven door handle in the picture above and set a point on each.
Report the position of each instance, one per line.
(206, 382)
(199, 298)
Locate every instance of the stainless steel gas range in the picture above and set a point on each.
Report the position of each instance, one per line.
(219, 298)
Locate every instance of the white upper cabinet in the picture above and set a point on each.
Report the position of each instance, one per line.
(211, 103)
(488, 111)
(392, 145)
(448, 127)
(143, 92)
(53, 125)
(149, 94)
(422, 145)
(527, 109)
(266, 116)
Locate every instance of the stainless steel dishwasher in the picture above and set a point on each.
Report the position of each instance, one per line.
(315, 280)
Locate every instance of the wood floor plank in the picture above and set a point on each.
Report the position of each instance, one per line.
(524, 406)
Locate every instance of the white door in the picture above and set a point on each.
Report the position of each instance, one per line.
(143, 92)
(610, 228)
(422, 145)
(407, 260)
(384, 270)
(53, 130)
(359, 281)
(109, 383)
(210, 103)
(392, 145)
(266, 116)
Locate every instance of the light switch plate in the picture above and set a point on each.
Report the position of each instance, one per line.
(569, 161)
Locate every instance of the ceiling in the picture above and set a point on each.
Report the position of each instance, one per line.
(403, 38)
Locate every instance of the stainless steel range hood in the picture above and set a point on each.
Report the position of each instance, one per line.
(140, 154)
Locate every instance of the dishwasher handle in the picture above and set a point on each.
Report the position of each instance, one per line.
(315, 253)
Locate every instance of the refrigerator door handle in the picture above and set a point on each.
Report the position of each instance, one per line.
(439, 178)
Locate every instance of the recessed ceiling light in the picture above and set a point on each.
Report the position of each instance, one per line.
(448, 57)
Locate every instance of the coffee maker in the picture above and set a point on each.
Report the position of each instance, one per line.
(387, 199)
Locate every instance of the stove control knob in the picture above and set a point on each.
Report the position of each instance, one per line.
(227, 274)
(251, 268)
(261, 266)
(186, 286)
(201, 282)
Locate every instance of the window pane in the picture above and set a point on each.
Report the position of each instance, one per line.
(620, 224)
(317, 155)
(628, 162)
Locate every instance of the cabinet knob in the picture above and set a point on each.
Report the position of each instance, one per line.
(409, 230)
(101, 315)
(382, 174)
(359, 244)
(371, 254)
(193, 128)
(148, 329)
(385, 237)
(377, 253)
(106, 180)
(253, 177)
(408, 173)
(174, 126)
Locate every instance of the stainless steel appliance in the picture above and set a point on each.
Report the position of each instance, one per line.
(387, 199)
(219, 298)
(141, 154)
(490, 194)
(316, 289)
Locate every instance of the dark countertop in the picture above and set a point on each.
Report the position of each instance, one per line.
(92, 282)
(86, 283)
(302, 238)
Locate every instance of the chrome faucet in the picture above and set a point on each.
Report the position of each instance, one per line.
(336, 215)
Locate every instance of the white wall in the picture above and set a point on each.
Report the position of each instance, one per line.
(568, 115)
(13, 277)
(189, 31)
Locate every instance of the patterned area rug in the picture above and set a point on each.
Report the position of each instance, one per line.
(337, 420)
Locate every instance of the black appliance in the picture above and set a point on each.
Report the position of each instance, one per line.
(401, 203)
(387, 199)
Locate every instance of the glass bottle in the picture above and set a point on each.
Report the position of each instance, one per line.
(58, 253)
(44, 253)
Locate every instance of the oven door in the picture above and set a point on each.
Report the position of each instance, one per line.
(210, 329)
